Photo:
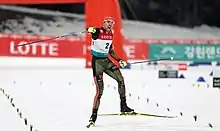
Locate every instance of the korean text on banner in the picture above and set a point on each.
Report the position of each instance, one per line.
(186, 52)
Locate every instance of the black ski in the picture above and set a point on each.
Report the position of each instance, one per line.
(136, 114)
(130, 114)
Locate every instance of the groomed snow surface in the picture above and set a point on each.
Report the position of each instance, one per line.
(59, 99)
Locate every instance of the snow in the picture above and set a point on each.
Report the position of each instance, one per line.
(9, 119)
(60, 23)
(61, 99)
(39, 62)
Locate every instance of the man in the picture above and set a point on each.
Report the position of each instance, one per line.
(100, 48)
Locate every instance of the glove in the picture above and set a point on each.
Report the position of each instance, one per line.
(122, 63)
(91, 30)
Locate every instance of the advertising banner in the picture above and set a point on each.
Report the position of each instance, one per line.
(53, 48)
(186, 52)
(136, 50)
(60, 48)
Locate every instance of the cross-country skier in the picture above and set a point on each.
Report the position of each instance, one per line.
(100, 48)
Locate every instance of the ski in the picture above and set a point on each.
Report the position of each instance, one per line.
(136, 114)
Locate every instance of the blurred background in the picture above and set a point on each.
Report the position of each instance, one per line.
(188, 13)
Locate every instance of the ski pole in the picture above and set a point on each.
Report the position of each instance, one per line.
(162, 59)
(57, 37)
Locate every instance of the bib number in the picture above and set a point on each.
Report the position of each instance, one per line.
(107, 45)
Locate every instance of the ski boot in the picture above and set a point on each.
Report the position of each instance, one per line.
(124, 108)
(92, 119)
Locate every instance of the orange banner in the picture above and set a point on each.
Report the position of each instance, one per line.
(40, 1)
(96, 11)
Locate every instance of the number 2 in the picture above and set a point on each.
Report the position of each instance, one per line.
(107, 44)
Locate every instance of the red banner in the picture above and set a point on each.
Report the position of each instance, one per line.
(55, 48)
(136, 50)
(60, 48)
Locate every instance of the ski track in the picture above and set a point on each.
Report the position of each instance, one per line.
(61, 100)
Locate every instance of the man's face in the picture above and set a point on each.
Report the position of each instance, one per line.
(108, 25)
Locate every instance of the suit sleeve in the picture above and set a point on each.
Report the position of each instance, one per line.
(112, 53)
